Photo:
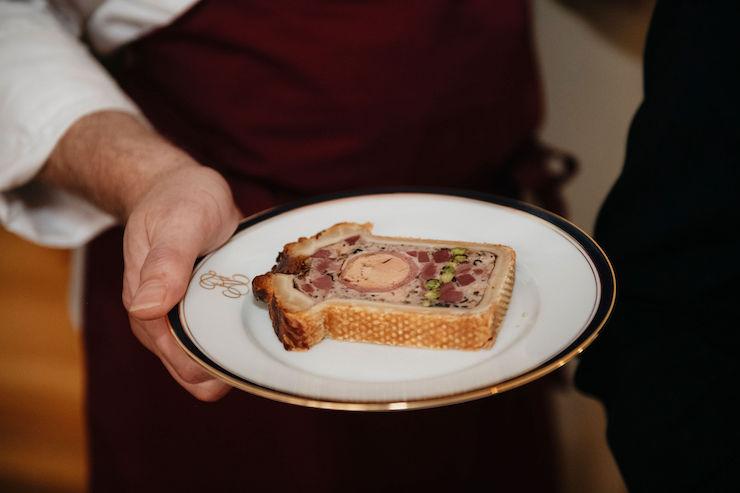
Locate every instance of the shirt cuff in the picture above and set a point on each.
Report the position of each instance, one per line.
(51, 216)
(48, 81)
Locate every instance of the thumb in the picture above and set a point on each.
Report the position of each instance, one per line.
(163, 279)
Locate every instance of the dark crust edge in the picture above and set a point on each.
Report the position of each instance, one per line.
(289, 264)
(291, 333)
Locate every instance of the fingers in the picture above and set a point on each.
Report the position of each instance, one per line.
(161, 282)
(156, 337)
(207, 391)
(187, 213)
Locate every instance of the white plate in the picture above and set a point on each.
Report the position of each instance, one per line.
(563, 294)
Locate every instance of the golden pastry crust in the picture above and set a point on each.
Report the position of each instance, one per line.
(300, 322)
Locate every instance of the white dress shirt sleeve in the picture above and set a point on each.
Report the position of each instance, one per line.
(48, 80)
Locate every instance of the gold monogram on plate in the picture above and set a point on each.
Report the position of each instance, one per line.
(235, 286)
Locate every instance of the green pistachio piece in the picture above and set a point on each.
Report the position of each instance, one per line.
(431, 295)
(458, 251)
(460, 258)
(433, 284)
(446, 277)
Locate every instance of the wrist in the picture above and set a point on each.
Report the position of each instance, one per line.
(113, 159)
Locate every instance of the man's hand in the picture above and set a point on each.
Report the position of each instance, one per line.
(174, 210)
(188, 213)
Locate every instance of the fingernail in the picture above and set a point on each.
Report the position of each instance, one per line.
(148, 296)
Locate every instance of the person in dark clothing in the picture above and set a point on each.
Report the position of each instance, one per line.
(666, 365)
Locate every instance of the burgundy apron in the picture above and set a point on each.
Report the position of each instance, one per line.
(290, 99)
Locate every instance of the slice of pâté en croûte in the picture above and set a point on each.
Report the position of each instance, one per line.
(345, 283)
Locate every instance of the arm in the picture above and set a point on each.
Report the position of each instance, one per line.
(174, 210)
(60, 111)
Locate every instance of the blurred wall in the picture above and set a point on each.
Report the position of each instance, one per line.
(590, 54)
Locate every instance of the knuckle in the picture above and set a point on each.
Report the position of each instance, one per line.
(207, 394)
(161, 262)
(161, 255)
(127, 294)
(193, 374)
(126, 299)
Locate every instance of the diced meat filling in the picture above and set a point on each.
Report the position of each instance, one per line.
(405, 274)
